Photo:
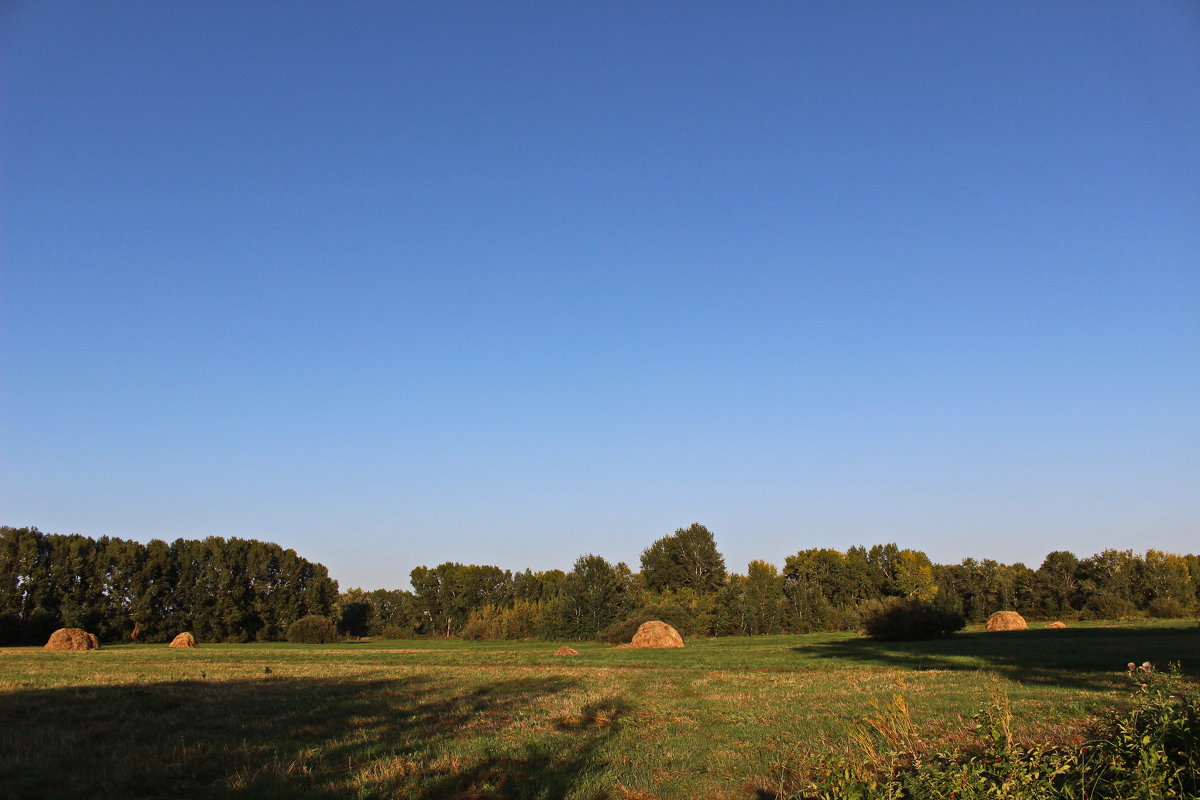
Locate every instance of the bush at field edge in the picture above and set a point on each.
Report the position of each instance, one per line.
(313, 629)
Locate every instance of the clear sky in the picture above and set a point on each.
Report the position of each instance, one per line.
(403, 283)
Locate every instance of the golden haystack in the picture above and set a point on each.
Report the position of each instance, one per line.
(566, 651)
(184, 639)
(655, 634)
(1057, 625)
(72, 639)
(1006, 621)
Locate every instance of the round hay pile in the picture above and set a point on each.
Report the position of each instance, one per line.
(566, 651)
(1006, 621)
(184, 639)
(655, 635)
(72, 639)
(1057, 625)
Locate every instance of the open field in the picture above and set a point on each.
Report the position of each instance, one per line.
(722, 718)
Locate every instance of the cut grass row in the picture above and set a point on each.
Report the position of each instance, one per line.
(435, 718)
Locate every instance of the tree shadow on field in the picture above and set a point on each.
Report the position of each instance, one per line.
(1092, 659)
(276, 737)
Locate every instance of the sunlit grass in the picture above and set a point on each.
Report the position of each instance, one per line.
(436, 718)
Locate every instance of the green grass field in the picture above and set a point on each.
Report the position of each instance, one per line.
(721, 718)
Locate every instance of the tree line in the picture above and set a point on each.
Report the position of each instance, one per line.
(683, 581)
(242, 590)
(222, 590)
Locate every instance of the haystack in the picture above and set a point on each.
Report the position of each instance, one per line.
(1057, 625)
(1006, 621)
(72, 639)
(184, 639)
(566, 651)
(655, 635)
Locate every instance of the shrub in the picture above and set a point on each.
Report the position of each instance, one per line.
(623, 630)
(398, 632)
(1105, 605)
(904, 619)
(1166, 608)
(521, 621)
(312, 629)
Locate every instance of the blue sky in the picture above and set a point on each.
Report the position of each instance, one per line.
(397, 284)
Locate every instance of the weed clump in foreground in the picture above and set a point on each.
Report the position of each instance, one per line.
(909, 618)
(1147, 753)
(313, 629)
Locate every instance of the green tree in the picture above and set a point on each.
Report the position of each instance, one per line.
(686, 559)
(764, 599)
(355, 612)
(842, 579)
(913, 576)
(593, 595)
(1164, 576)
(11, 592)
(447, 594)
(537, 587)
(1060, 585)
(1108, 583)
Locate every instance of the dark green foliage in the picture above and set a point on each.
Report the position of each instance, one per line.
(355, 619)
(687, 559)
(623, 630)
(1107, 605)
(909, 619)
(446, 595)
(312, 629)
(1059, 584)
(842, 579)
(235, 590)
(1108, 583)
(220, 589)
(537, 587)
(807, 610)
(753, 604)
(594, 595)
(397, 632)
(391, 613)
(1166, 608)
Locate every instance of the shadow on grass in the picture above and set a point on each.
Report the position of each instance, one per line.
(1078, 658)
(294, 738)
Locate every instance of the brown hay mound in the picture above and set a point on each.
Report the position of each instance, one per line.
(1006, 621)
(184, 639)
(72, 639)
(655, 635)
(1057, 625)
(566, 651)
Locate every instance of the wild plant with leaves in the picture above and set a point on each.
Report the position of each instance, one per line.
(1150, 752)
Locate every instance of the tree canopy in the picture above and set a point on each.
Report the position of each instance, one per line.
(686, 559)
(219, 589)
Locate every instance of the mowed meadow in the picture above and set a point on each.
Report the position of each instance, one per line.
(736, 717)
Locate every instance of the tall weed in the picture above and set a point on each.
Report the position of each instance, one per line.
(1150, 752)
